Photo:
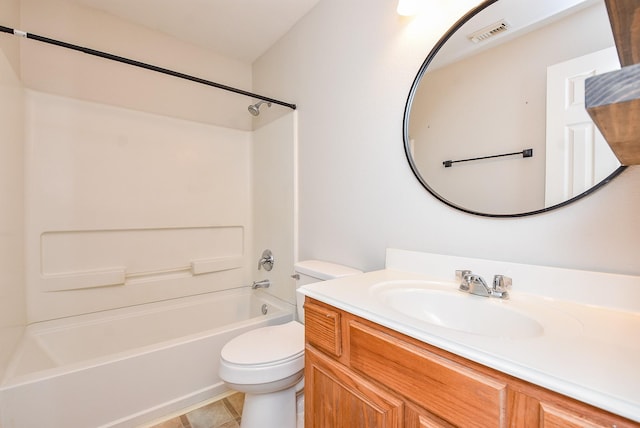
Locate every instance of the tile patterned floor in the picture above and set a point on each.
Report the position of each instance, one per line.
(224, 413)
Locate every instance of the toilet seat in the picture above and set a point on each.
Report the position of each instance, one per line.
(263, 355)
(265, 345)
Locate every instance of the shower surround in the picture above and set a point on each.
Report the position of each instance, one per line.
(129, 190)
(121, 204)
(131, 215)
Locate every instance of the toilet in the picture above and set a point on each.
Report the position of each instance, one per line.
(267, 364)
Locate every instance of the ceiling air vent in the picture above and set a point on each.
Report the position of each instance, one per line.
(489, 31)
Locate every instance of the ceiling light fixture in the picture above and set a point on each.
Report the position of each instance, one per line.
(408, 7)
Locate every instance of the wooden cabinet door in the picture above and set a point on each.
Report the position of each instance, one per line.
(416, 417)
(335, 398)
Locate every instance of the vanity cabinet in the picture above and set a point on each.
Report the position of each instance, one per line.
(360, 374)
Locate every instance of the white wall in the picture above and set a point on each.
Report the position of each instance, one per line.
(349, 67)
(12, 289)
(73, 74)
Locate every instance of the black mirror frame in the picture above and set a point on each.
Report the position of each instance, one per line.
(405, 130)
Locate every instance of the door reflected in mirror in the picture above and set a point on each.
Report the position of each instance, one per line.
(509, 78)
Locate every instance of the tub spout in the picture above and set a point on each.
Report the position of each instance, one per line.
(265, 283)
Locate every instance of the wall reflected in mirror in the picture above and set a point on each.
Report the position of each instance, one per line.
(522, 88)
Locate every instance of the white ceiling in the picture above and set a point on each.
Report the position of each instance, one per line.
(238, 29)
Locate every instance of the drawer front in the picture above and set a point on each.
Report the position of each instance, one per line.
(322, 328)
(449, 390)
(552, 416)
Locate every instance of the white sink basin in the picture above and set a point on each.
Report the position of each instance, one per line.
(442, 305)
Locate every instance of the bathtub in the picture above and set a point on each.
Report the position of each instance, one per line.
(129, 366)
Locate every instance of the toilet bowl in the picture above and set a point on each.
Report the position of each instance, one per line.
(267, 364)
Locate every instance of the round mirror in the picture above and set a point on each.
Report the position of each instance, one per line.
(495, 123)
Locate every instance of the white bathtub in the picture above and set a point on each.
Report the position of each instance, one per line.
(126, 367)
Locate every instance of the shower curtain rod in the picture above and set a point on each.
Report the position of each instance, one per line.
(141, 65)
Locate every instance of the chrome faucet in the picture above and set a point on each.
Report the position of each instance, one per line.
(266, 260)
(265, 283)
(475, 284)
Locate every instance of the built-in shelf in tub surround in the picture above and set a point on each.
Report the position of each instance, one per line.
(90, 270)
(80, 259)
(120, 276)
(587, 348)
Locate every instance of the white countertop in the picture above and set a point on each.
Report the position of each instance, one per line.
(588, 352)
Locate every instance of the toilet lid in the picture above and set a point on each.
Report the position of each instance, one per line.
(266, 345)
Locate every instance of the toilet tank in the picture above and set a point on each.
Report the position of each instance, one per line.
(310, 271)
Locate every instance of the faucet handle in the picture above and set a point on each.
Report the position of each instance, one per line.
(501, 283)
(266, 260)
(462, 279)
